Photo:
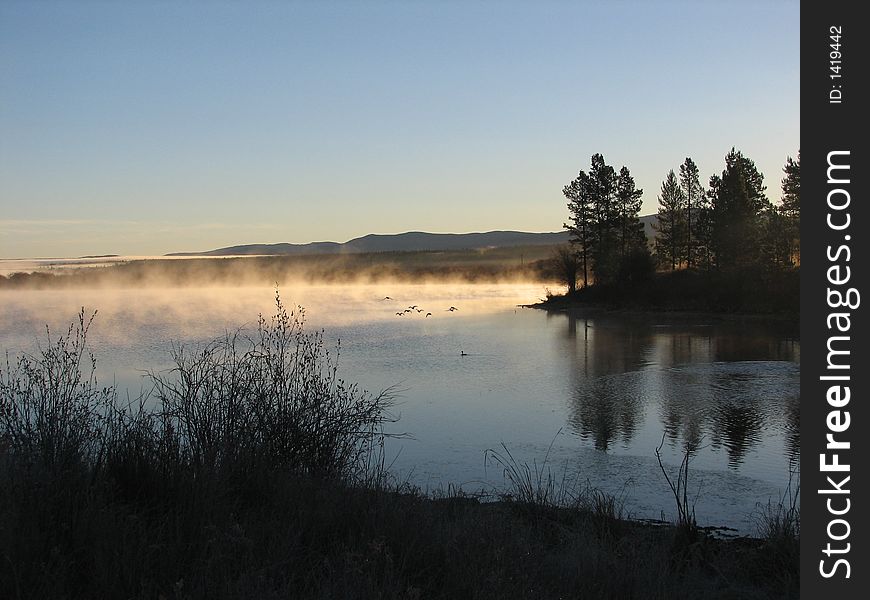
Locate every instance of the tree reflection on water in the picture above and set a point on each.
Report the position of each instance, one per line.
(727, 383)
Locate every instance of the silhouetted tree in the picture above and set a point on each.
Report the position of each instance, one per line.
(690, 183)
(704, 238)
(780, 225)
(604, 223)
(582, 218)
(566, 264)
(628, 203)
(791, 202)
(776, 238)
(737, 202)
(605, 242)
(671, 222)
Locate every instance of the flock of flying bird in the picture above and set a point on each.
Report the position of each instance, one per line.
(410, 310)
(414, 307)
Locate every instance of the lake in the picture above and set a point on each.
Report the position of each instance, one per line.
(593, 394)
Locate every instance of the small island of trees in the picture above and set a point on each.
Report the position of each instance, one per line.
(726, 248)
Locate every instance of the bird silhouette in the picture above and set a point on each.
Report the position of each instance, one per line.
(419, 310)
(415, 306)
(452, 308)
(399, 314)
(428, 314)
(385, 298)
(462, 353)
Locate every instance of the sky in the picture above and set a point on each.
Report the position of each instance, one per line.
(154, 127)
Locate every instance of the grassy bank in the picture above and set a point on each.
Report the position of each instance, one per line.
(283, 536)
(255, 472)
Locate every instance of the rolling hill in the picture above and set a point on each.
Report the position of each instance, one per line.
(412, 241)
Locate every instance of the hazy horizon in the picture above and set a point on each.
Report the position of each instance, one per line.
(194, 253)
(169, 253)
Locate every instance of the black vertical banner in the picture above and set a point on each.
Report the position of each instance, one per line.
(835, 373)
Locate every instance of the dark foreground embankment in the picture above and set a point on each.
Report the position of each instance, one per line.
(272, 535)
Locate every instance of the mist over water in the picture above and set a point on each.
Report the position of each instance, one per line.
(519, 264)
(602, 389)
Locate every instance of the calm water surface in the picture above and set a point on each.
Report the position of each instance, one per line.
(602, 389)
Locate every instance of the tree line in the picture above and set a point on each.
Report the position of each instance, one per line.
(729, 225)
(606, 232)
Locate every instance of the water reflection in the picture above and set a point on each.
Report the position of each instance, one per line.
(793, 429)
(738, 427)
(725, 385)
(606, 411)
(684, 416)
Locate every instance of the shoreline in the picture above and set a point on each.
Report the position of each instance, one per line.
(562, 305)
(285, 535)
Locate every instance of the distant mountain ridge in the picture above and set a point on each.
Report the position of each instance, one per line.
(411, 241)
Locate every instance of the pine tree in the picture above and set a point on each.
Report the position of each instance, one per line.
(581, 210)
(737, 203)
(603, 180)
(776, 239)
(703, 250)
(604, 222)
(671, 222)
(695, 200)
(628, 201)
(791, 203)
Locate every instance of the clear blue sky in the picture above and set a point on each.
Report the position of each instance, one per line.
(153, 127)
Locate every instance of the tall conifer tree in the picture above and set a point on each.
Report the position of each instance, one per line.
(629, 200)
(791, 202)
(691, 185)
(737, 203)
(605, 248)
(670, 226)
(582, 218)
